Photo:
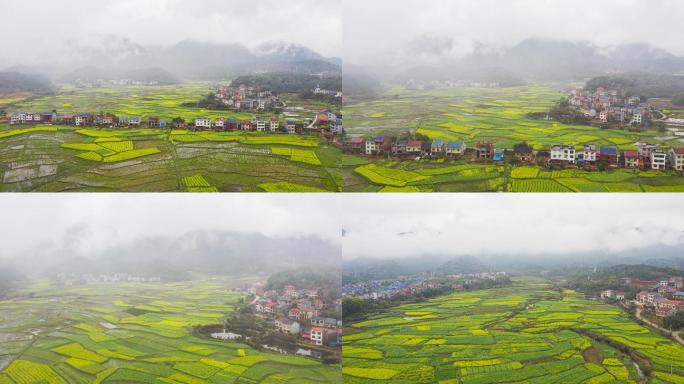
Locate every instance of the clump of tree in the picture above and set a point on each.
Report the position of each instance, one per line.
(279, 83)
(644, 85)
(306, 279)
(562, 111)
(674, 322)
(678, 99)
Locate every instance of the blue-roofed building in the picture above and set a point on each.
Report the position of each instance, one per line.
(498, 154)
(134, 120)
(232, 124)
(455, 148)
(437, 147)
(290, 126)
(609, 156)
(162, 124)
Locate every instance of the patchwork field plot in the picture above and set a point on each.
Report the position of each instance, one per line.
(498, 115)
(60, 158)
(135, 333)
(476, 114)
(524, 333)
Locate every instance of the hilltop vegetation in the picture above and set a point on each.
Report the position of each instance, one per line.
(11, 82)
(643, 85)
(290, 82)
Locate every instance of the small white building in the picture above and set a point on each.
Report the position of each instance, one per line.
(260, 125)
(676, 158)
(317, 335)
(589, 153)
(636, 118)
(220, 122)
(285, 325)
(290, 126)
(274, 124)
(658, 159)
(370, 147)
(203, 122)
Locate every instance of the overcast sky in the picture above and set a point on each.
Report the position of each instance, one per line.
(31, 27)
(408, 29)
(398, 226)
(389, 226)
(92, 223)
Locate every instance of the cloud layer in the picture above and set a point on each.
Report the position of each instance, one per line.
(31, 30)
(384, 31)
(484, 225)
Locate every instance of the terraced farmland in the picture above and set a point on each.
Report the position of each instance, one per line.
(524, 333)
(135, 333)
(61, 158)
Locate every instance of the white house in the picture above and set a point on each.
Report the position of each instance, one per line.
(220, 122)
(317, 335)
(563, 153)
(636, 118)
(658, 159)
(18, 118)
(260, 125)
(589, 153)
(290, 126)
(455, 148)
(370, 147)
(285, 325)
(274, 124)
(203, 122)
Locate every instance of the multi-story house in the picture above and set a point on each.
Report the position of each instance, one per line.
(563, 153)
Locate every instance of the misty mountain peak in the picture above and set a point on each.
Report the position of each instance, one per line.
(283, 50)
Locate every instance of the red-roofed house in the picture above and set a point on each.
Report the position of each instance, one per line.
(357, 144)
(676, 158)
(295, 313)
(631, 159)
(414, 146)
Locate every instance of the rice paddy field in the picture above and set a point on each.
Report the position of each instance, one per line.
(525, 333)
(497, 115)
(135, 333)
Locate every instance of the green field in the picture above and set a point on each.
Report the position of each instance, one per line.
(63, 158)
(498, 115)
(60, 158)
(135, 333)
(526, 333)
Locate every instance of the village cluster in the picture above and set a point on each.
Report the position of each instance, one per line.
(589, 156)
(300, 313)
(411, 285)
(256, 123)
(435, 84)
(246, 98)
(610, 107)
(87, 278)
(664, 297)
